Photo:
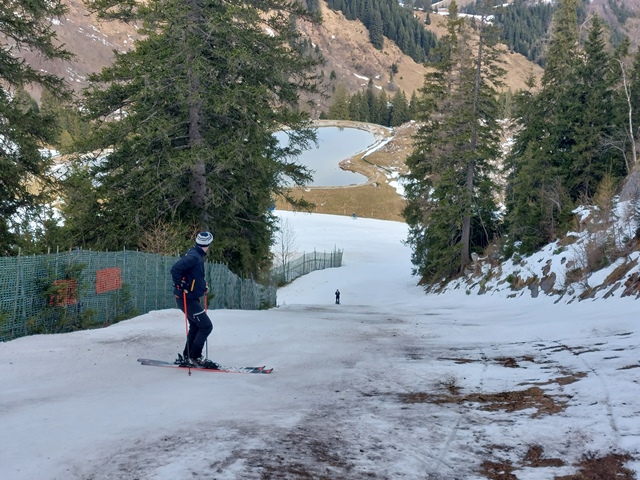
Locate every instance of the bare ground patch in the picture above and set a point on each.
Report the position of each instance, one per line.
(323, 458)
(509, 362)
(327, 443)
(506, 470)
(532, 397)
(591, 467)
(608, 467)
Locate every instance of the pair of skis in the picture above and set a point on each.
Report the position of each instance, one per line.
(221, 368)
(208, 366)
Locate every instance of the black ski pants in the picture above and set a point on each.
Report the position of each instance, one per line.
(200, 327)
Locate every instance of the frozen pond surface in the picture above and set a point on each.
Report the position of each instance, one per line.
(334, 145)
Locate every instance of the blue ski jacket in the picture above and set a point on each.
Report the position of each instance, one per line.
(190, 268)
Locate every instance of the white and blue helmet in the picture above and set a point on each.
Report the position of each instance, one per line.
(204, 239)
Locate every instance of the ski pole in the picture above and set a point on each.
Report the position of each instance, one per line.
(206, 342)
(186, 326)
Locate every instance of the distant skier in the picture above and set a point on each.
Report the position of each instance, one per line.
(190, 284)
(337, 297)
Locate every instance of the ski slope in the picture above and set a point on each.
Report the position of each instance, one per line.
(391, 384)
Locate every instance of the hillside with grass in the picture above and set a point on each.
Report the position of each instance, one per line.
(350, 57)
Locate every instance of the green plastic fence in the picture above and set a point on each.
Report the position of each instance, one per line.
(82, 289)
(304, 264)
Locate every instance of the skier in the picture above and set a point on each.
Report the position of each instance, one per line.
(190, 284)
(337, 297)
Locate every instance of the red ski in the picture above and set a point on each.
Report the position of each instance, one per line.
(220, 369)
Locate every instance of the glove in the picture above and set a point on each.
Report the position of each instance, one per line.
(206, 288)
(183, 286)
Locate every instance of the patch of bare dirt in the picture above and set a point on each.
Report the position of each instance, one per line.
(568, 379)
(508, 362)
(498, 470)
(460, 361)
(605, 467)
(629, 367)
(322, 453)
(535, 458)
(609, 467)
(504, 469)
(508, 401)
(532, 397)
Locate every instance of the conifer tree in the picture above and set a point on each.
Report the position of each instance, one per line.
(382, 109)
(23, 129)
(375, 31)
(399, 109)
(339, 109)
(358, 108)
(371, 102)
(186, 121)
(560, 155)
(450, 193)
(595, 122)
(413, 105)
(67, 117)
(538, 201)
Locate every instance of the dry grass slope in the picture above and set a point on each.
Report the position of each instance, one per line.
(344, 44)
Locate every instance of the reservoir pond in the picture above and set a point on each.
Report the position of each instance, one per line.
(334, 145)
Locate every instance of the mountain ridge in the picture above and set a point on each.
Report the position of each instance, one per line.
(344, 44)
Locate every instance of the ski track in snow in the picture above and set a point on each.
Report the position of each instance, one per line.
(359, 390)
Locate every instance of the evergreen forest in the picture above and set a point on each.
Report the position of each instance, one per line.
(387, 19)
(371, 107)
(575, 143)
(525, 27)
(176, 135)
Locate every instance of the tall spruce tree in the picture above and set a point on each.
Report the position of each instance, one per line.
(560, 154)
(186, 123)
(371, 102)
(450, 193)
(538, 201)
(375, 31)
(339, 109)
(381, 116)
(399, 109)
(597, 80)
(23, 129)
